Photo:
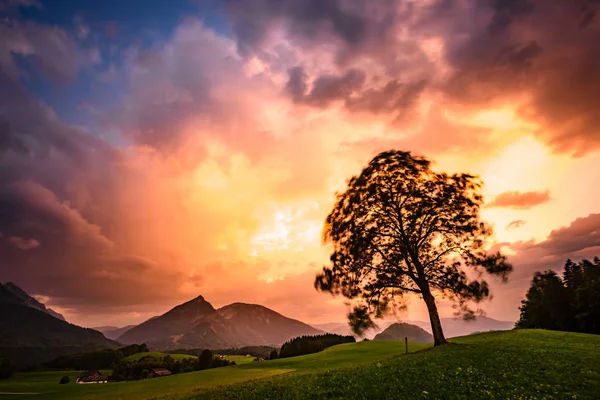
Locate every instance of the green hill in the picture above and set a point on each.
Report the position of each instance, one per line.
(532, 364)
(401, 330)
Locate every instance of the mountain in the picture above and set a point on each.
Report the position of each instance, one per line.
(9, 292)
(197, 324)
(459, 326)
(452, 326)
(400, 330)
(30, 336)
(112, 332)
(342, 328)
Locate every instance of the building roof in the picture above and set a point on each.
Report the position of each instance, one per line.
(92, 376)
(160, 371)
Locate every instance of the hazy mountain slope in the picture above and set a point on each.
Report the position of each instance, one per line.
(30, 336)
(400, 330)
(113, 332)
(342, 328)
(458, 326)
(196, 324)
(10, 292)
(452, 326)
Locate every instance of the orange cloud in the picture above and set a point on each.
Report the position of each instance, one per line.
(517, 200)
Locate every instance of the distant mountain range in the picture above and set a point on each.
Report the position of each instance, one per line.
(197, 324)
(30, 333)
(9, 292)
(459, 326)
(453, 327)
(401, 330)
(112, 332)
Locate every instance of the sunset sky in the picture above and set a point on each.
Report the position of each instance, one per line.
(154, 151)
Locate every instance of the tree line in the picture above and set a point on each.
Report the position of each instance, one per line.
(312, 344)
(567, 303)
(255, 351)
(100, 359)
(135, 370)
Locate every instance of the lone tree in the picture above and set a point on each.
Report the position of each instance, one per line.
(401, 228)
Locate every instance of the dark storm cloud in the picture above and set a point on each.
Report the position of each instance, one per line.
(540, 54)
(52, 51)
(541, 50)
(309, 19)
(581, 234)
(326, 88)
(53, 242)
(394, 97)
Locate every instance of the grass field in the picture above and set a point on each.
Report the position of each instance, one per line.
(531, 364)
(240, 360)
(157, 354)
(502, 365)
(184, 384)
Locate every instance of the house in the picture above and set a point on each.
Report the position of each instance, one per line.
(92, 376)
(156, 372)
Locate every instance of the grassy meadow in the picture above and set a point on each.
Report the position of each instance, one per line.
(240, 360)
(528, 364)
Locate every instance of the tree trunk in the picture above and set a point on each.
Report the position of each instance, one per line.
(434, 317)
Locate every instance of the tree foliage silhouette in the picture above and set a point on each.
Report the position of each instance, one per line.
(568, 304)
(401, 228)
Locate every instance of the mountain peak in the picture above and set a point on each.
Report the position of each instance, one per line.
(196, 324)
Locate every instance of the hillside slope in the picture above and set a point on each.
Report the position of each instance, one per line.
(532, 364)
(400, 330)
(502, 365)
(196, 324)
(112, 332)
(30, 336)
(11, 293)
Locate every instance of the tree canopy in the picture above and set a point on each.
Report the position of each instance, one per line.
(570, 303)
(402, 228)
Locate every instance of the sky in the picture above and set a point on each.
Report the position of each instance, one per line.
(153, 151)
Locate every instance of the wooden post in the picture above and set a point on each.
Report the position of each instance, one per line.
(406, 343)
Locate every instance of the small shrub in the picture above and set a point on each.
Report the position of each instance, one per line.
(7, 368)
(64, 379)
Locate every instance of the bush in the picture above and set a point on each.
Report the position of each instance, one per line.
(273, 355)
(7, 368)
(64, 379)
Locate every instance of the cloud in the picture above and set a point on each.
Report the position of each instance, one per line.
(516, 224)
(226, 151)
(578, 240)
(465, 55)
(23, 244)
(51, 49)
(520, 201)
(582, 234)
(513, 51)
